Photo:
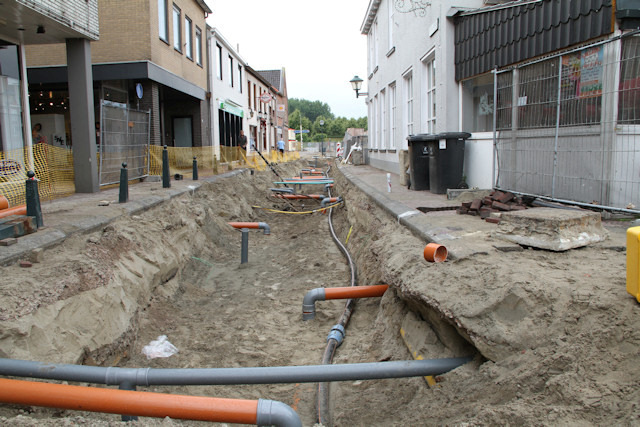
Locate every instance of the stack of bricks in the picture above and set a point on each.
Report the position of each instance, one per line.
(496, 201)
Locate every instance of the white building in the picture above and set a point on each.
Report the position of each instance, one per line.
(411, 84)
(261, 99)
(227, 78)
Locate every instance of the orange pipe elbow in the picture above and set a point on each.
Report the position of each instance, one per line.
(261, 225)
(127, 402)
(355, 292)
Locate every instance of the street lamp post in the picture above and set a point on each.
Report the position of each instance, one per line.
(356, 84)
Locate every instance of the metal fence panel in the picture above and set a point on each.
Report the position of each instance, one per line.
(124, 138)
(568, 127)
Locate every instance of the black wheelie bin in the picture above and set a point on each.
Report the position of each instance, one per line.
(420, 148)
(446, 161)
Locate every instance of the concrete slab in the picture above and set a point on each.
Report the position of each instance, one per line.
(551, 229)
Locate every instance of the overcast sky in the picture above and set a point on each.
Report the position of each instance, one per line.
(317, 42)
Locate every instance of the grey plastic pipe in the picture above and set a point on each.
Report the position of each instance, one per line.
(229, 376)
(275, 413)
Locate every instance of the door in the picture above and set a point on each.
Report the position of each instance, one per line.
(182, 132)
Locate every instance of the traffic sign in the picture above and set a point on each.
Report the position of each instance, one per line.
(265, 97)
(302, 131)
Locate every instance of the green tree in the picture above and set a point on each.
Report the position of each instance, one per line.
(310, 109)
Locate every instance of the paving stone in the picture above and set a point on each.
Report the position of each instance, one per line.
(550, 228)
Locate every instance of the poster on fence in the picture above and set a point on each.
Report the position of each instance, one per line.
(582, 74)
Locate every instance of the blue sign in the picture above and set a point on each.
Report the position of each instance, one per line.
(302, 131)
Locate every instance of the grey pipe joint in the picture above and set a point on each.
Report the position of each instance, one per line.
(264, 226)
(274, 413)
(337, 333)
(309, 303)
(326, 200)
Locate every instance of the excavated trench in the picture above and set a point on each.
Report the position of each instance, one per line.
(175, 270)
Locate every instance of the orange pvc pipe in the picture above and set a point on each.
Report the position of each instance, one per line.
(300, 196)
(355, 292)
(128, 402)
(16, 210)
(4, 203)
(245, 224)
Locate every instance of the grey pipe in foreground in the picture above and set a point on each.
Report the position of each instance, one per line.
(229, 376)
(275, 413)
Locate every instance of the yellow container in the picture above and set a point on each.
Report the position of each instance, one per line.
(633, 262)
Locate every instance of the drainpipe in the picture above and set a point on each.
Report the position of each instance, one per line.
(347, 292)
(147, 404)
(229, 376)
(255, 225)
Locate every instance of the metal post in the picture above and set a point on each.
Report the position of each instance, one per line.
(124, 184)
(33, 198)
(166, 179)
(195, 168)
(244, 254)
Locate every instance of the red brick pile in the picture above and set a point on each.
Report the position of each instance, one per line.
(496, 201)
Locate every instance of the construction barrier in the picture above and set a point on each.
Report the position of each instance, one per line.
(53, 167)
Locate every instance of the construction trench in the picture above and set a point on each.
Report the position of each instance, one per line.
(233, 300)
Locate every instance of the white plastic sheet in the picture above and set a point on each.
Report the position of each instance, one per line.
(160, 347)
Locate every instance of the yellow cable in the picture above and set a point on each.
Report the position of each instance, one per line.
(298, 213)
(348, 235)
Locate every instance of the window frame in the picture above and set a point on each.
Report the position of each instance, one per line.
(198, 46)
(188, 37)
(231, 71)
(219, 67)
(177, 32)
(163, 21)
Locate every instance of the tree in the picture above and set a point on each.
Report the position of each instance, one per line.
(310, 109)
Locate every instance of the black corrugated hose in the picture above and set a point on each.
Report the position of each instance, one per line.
(323, 411)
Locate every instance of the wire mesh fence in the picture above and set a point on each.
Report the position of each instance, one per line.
(568, 127)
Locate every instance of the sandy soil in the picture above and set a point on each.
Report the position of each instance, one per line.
(553, 334)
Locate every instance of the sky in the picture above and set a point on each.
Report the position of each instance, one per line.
(317, 42)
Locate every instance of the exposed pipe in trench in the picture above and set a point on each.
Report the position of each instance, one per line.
(323, 294)
(133, 377)
(147, 404)
(254, 225)
(334, 339)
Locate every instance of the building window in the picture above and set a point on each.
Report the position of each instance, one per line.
(219, 58)
(240, 78)
(177, 29)
(390, 25)
(392, 115)
(408, 97)
(198, 46)
(477, 104)
(188, 38)
(230, 71)
(629, 90)
(429, 124)
(376, 122)
(383, 119)
(163, 21)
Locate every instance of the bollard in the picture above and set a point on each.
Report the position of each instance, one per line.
(33, 199)
(124, 184)
(215, 165)
(244, 253)
(166, 179)
(195, 168)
